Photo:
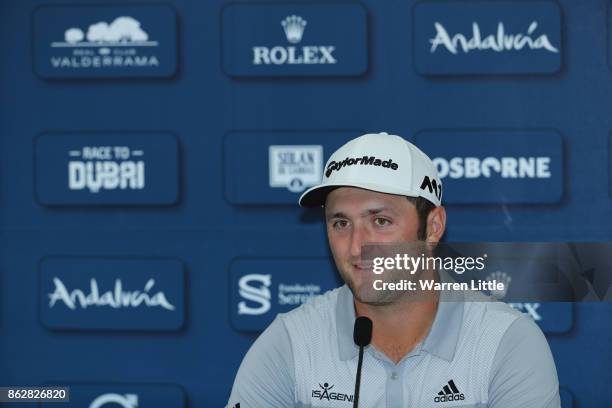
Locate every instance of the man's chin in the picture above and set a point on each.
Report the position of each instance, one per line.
(365, 293)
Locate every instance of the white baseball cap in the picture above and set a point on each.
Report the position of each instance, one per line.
(378, 162)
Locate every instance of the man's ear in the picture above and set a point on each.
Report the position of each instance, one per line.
(436, 225)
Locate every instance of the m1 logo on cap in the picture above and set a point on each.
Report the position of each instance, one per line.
(433, 186)
(365, 160)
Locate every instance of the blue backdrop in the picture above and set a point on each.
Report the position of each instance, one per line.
(151, 157)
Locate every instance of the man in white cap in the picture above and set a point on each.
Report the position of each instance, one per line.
(379, 188)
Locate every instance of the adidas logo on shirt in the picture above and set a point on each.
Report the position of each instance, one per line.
(449, 392)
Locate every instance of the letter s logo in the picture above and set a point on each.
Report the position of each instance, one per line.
(258, 294)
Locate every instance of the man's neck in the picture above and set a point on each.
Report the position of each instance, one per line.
(398, 327)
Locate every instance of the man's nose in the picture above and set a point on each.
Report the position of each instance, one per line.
(358, 237)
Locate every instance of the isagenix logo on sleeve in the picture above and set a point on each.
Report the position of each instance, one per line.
(325, 393)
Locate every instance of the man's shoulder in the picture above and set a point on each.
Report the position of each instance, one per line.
(487, 315)
(489, 308)
(494, 309)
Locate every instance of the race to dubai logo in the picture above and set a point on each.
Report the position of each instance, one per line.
(98, 168)
(120, 43)
(293, 28)
(500, 41)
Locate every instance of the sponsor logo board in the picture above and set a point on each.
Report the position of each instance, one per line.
(479, 38)
(496, 166)
(295, 161)
(105, 41)
(263, 287)
(293, 39)
(106, 169)
(112, 293)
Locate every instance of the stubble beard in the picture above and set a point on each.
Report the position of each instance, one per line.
(365, 292)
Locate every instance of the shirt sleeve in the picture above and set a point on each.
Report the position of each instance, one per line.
(266, 376)
(523, 373)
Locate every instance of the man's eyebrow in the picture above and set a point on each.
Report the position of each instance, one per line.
(374, 211)
(370, 211)
(337, 214)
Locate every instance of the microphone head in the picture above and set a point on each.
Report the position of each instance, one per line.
(362, 332)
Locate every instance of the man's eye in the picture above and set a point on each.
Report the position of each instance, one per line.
(381, 222)
(338, 224)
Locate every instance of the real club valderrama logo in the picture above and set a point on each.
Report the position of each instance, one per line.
(122, 42)
(294, 27)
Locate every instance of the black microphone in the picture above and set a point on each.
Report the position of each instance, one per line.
(362, 335)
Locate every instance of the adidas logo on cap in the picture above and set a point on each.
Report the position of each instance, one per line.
(449, 392)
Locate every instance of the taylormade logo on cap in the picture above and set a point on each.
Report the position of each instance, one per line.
(378, 162)
(365, 160)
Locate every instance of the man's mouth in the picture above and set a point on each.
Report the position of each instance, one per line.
(363, 266)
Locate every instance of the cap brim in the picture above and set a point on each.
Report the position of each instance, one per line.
(316, 196)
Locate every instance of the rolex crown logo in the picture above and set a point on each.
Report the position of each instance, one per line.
(294, 28)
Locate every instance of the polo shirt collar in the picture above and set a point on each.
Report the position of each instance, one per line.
(345, 321)
(441, 340)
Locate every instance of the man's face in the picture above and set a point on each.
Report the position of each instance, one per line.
(356, 217)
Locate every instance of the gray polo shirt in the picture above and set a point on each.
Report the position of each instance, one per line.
(476, 354)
